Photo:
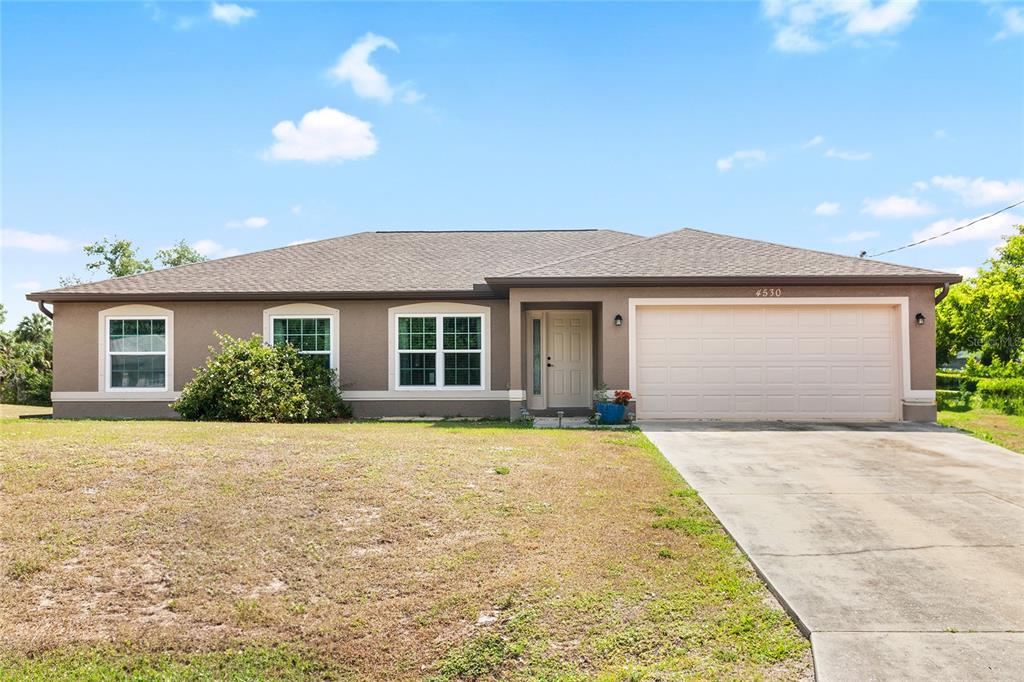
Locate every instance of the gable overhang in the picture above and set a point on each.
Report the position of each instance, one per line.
(935, 279)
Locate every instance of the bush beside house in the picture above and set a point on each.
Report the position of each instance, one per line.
(247, 380)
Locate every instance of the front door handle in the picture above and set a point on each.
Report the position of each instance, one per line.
(549, 364)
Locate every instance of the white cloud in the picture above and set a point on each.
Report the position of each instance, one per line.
(323, 135)
(300, 241)
(867, 18)
(212, 249)
(367, 80)
(814, 141)
(940, 134)
(994, 229)
(921, 185)
(229, 13)
(746, 157)
(965, 271)
(28, 285)
(1013, 22)
(897, 207)
(296, 209)
(827, 208)
(33, 241)
(252, 222)
(981, 191)
(411, 95)
(812, 25)
(856, 236)
(834, 153)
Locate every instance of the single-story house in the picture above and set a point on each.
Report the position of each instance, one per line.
(491, 323)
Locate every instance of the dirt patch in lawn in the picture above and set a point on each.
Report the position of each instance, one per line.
(393, 551)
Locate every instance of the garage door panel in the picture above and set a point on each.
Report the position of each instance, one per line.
(877, 375)
(877, 345)
(764, 362)
(748, 375)
(749, 346)
(814, 345)
(780, 346)
(813, 375)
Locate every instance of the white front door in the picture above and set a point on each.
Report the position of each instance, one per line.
(568, 358)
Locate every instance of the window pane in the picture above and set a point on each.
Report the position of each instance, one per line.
(306, 334)
(417, 369)
(417, 333)
(461, 333)
(462, 369)
(137, 371)
(137, 336)
(536, 357)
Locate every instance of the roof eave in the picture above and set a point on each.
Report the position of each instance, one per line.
(938, 278)
(441, 294)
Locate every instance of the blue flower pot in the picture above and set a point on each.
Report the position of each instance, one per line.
(611, 413)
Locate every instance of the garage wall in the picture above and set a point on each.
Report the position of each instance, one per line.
(615, 340)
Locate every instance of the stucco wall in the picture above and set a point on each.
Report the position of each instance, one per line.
(614, 349)
(363, 338)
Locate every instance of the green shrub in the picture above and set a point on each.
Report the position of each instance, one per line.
(951, 400)
(247, 380)
(997, 369)
(1005, 395)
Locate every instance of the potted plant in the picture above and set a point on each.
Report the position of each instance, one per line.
(611, 411)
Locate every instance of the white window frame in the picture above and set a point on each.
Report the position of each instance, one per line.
(439, 310)
(109, 365)
(307, 311)
(439, 352)
(330, 326)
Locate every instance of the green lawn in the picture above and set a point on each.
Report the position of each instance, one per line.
(170, 550)
(1002, 429)
(14, 411)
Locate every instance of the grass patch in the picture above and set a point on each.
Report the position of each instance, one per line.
(106, 665)
(1002, 429)
(8, 411)
(170, 550)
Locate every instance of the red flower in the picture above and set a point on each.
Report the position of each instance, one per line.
(622, 397)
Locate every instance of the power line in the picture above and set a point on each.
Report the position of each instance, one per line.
(955, 229)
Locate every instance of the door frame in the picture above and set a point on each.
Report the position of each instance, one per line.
(539, 401)
(901, 304)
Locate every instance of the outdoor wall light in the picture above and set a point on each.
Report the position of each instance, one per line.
(618, 320)
(920, 318)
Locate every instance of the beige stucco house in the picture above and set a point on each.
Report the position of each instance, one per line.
(490, 323)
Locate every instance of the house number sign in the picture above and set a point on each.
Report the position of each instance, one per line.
(768, 293)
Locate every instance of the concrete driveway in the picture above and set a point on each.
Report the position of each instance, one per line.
(898, 548)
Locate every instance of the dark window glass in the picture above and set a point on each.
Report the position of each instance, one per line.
(417, 369)
(462, 369)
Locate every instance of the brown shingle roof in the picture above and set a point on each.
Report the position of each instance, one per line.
(363, 263)
(464, 263)
(695, 254)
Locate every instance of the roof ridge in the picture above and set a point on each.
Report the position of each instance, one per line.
(528, 229)
(801, 248)
(586, 254)
(607, 248)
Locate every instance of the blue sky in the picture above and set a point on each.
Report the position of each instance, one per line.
(241, 127)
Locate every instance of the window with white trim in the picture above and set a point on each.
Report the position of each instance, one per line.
(137, 353)
(310, 335)
(439, 351)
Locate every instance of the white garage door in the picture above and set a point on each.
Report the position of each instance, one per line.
(767, 362)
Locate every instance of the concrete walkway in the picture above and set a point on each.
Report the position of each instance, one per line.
(898, 548)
